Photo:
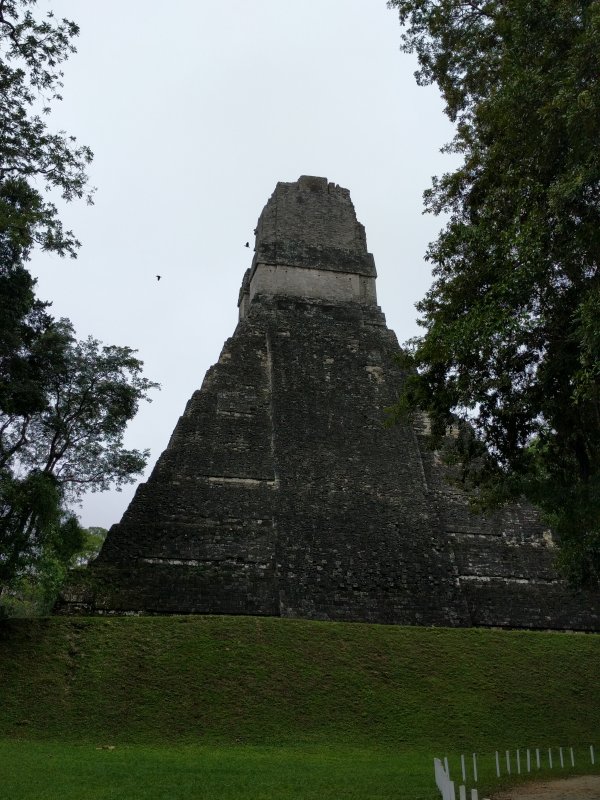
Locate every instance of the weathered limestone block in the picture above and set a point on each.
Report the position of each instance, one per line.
(310, 244)
(281, 491)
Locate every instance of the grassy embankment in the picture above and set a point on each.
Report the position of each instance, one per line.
(238, 707)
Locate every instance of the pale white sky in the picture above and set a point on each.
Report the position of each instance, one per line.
(194, 111)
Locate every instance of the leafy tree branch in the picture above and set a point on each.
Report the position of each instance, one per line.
(510, 323)
(64, 403)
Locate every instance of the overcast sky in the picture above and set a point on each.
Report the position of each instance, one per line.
(194, 111)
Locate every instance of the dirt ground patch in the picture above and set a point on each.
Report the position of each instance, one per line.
(585, 787)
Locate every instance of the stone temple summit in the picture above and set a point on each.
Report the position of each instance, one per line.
(281, 491)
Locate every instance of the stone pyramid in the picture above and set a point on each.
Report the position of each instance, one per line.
(281, 492)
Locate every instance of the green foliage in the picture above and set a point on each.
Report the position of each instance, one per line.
(31, 52)
(73, 444)
(93, 540)
(511, 340)
(91, 393)
(64, 404)
(34, 585)
(38, 539)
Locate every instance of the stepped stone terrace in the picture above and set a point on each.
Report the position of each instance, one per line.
(282, 493)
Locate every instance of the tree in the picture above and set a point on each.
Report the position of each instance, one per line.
(92, 391)
(74, 444)
(512, 338)
(64, 404)
(31, 156)
(93, 541)
(33, 594)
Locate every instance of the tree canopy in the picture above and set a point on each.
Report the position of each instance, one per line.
(511, 338)
(64, 403)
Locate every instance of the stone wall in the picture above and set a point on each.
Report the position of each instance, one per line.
(310, 244)
(282, 491)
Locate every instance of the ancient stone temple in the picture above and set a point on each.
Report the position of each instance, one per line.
(281, 492)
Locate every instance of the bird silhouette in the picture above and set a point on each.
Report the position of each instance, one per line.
(247, 244)
(158, 277)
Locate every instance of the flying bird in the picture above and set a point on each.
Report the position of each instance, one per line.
(158, 277)
(247, 244)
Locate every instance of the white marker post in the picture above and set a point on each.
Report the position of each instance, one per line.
(508, 761)
(560, 755)
(537, 757)
(592, 754)
(498, 764)
(518, 762)
(462, 769)
(550, 757)
(528, 761)
(572, 758)
(442, 780)
(474, 769)
(445, 785)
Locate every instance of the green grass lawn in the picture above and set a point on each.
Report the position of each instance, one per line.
(53, 771)
(34, 770)
(239, 707)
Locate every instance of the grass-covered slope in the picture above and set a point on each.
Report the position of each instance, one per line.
(274, 682)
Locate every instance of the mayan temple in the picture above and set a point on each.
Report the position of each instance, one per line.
(282, 493)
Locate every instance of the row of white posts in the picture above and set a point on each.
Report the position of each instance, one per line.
(446, 785)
